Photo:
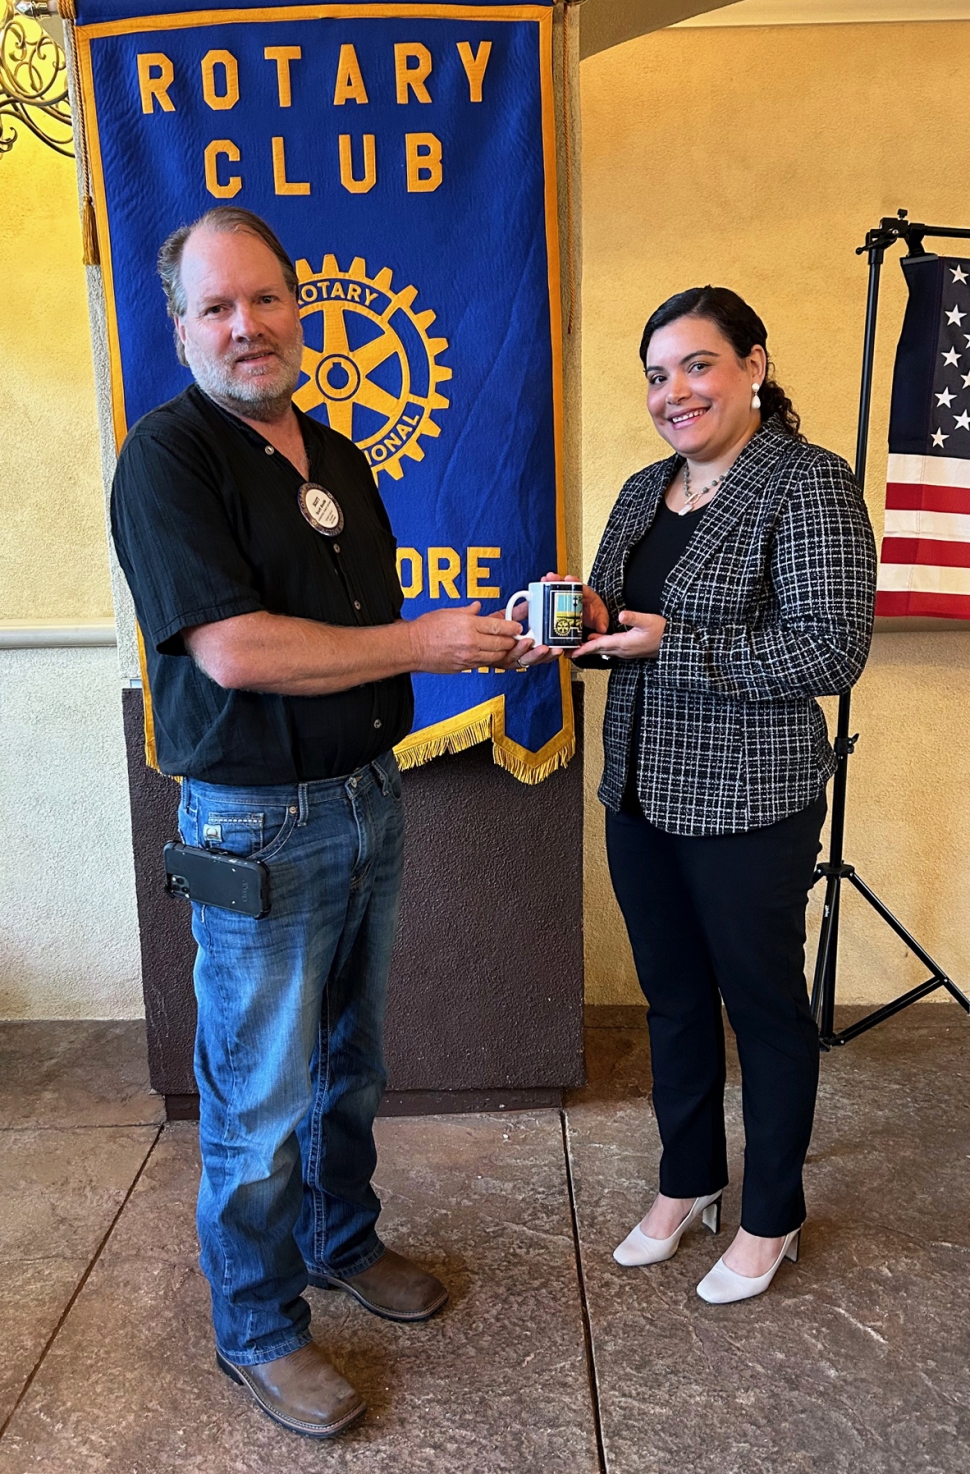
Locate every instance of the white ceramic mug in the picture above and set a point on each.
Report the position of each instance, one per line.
(555, 614)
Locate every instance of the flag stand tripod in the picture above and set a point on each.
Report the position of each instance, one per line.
(835, 870)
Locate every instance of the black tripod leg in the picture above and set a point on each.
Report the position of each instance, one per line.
(823, 992)
(823, 989)
(823, 986)
(941, 978)
(880, 1015)
(955, 993)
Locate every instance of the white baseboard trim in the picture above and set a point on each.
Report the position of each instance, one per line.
(52, 634)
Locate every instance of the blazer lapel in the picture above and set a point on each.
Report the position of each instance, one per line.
(638, 523)
(744, 484)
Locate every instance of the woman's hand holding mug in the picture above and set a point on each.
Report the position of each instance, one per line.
(595, 617)
(640, 641)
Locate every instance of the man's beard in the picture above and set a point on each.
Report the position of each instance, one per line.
(264, 396)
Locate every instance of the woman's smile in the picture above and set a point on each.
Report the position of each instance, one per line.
(686, 416)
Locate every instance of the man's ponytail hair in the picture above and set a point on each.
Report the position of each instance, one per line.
(742, 327)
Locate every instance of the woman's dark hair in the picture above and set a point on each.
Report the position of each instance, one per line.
(742, 327)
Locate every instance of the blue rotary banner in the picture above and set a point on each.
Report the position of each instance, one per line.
(405, 155)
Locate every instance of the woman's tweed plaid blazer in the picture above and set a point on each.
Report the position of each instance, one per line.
(770, 606)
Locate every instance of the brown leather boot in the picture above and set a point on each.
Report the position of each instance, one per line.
(394, 1288)
(302, 1391)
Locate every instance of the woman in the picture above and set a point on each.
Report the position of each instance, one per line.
(734, 583)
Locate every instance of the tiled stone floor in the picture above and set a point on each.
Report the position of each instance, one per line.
(549, 1359)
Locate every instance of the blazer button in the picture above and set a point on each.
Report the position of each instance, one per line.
(378, 723)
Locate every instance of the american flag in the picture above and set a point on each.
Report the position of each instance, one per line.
(925, 561)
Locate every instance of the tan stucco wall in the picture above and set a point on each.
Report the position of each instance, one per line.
(752, 157)
(53, 553)
(757, 158)
(68, 927)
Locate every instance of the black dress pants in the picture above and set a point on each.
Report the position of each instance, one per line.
(723, 916)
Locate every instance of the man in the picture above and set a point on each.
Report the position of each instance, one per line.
(261, 562)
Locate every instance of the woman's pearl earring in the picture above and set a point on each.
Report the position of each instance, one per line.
(755, 397)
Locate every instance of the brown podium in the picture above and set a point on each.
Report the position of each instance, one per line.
(486, 993)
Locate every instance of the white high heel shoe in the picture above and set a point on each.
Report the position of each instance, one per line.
(638, 1248)
(722, 1286)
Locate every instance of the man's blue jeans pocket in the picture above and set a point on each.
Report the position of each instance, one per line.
(289, 1046)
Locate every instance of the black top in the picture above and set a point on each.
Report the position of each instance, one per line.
(646, 572)
(207, 525)
(652, 558)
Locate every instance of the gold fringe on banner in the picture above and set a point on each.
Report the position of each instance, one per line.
(458, 733)
(519, 767)
(460, 741)
(529, 772)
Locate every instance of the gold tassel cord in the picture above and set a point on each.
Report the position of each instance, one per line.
(90, 249)
(34, 91)
(91, 254)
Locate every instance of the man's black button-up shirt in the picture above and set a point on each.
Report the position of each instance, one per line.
(207, 525)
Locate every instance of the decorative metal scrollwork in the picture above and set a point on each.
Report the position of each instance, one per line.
(33, 83)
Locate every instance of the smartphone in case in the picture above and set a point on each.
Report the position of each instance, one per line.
(216, 879)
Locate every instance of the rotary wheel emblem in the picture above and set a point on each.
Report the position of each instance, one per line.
(369, 361)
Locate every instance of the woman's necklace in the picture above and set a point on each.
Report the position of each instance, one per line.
(692, 497)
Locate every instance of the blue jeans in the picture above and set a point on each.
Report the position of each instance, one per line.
(288, 1055)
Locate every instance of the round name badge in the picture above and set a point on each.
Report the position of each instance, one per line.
(321, 509)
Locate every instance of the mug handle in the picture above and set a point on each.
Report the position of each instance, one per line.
(517, 598)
